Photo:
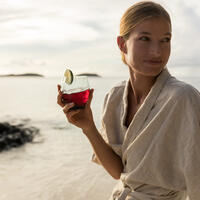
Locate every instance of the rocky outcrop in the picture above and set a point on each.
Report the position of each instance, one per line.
(20, 75)
(15, 135)
(89, 74)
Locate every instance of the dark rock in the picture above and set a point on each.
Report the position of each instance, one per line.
(15, 135)
(89, 74)
(19, 75)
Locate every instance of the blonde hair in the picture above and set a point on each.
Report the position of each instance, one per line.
(136, 14)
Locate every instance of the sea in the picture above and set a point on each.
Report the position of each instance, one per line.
(57, 165)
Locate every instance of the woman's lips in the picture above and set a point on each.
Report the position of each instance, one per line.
(154, 62)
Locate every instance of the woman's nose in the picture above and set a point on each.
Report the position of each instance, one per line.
(155, 49)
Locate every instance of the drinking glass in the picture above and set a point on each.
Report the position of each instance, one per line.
(77, 92)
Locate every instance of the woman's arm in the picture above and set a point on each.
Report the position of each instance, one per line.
(104, 153)
(83, 119)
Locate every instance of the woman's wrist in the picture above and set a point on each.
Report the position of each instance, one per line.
(89, 130)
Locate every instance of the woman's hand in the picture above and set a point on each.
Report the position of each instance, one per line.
(81, 118)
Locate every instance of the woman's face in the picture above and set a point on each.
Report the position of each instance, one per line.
(148, 47)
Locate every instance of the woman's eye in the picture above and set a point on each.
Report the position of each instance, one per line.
(166, 40)
(144, 38)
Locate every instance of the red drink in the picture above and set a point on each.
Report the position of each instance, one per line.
(79, 98)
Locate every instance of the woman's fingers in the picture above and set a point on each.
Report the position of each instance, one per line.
(90, 98)
(70, 113)
(67, 107)
(59, 99)
(58, 86)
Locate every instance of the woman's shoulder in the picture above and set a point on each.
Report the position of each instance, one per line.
(115, 94)
(117, 89)
(182, 91)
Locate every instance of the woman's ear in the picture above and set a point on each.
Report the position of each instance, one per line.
(121, 44)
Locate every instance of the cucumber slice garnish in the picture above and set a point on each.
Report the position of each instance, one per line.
(68, 76)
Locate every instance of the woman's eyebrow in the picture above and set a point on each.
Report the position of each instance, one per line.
(168, 34)
(144, 33)
(147, 33)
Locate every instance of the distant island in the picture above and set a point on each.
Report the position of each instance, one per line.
(89, 74)
(25, 74)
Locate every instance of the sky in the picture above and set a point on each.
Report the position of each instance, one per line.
(49, 36)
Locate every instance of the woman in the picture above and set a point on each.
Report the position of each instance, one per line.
(150, 132)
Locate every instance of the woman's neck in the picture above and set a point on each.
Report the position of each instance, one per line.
(140, 86)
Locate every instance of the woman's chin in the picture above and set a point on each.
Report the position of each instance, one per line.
(150, 71)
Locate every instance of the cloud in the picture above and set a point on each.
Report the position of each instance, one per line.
(186, 30)
(19, 26)
(83, 33)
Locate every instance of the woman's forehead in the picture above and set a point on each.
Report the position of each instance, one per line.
(151, 25)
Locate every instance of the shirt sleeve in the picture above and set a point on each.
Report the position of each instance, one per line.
(191, 153)
(191, 167)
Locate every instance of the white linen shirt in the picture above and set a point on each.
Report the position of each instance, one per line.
(160, 149)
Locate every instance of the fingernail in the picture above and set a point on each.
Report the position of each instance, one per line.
(71, 104)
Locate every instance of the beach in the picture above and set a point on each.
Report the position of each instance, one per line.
(58, 166)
